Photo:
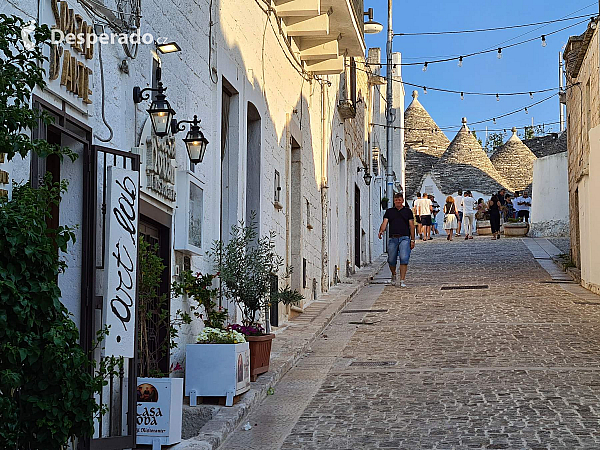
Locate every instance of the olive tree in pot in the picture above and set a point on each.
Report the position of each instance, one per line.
(245, 265)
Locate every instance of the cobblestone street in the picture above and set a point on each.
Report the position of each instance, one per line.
(511, 364)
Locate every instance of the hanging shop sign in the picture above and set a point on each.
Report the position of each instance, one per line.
(158, 166)
(122, 201)
(71, 51)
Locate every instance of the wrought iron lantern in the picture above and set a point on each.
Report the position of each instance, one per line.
(160, 110)
(195, 141)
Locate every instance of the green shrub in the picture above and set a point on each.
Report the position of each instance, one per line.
(46, 386)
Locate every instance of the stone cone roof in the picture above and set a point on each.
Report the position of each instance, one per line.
(418, 165)
(421, 132)
(465, 165)
(514, 161)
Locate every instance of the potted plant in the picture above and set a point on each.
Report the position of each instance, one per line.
(246, 264)
(218, 365)
(384, 202)
(515, 228)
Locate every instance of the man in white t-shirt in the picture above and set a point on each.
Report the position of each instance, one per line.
(424, 207)
(525, 206)
(468, 214)
(458, 203)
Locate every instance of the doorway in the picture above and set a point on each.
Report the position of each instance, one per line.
(357, 234)
(157, 236)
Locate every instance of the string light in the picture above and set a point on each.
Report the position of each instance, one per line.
(460, 60)
(497, 98)
(531, 95)
(425, 67)
(462, 95)
(526, 112)
(499, 53)
(543, 40)
(494, 119)
(424, 90)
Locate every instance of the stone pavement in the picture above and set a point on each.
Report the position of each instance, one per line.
(514, 364)
(291, 342)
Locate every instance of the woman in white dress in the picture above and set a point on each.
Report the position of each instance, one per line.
(450, 219)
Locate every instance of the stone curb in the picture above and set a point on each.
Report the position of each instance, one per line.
(216, 430)
(573, 272)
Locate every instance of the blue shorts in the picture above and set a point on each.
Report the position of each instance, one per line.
(460, 216)
(398, 247)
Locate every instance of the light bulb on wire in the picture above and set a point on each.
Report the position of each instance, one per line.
(500, 53)
(424, 90)
(460, 60)
(526, 111)
(531, 95)
(425, 67)
(494, 119)
(543, 40)
(462, 95)
(497, 97)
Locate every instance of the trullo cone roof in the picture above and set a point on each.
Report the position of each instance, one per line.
(514, 161)
(466, 166)
(421, 133)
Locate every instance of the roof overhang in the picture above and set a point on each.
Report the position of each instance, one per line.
(324, 31)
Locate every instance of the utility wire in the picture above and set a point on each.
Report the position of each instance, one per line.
(433, 130)
(481, 52)
(436, 33)
(452, 91)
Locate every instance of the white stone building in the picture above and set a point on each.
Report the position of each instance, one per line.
(284, 110)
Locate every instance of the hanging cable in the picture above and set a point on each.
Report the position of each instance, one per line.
(498, 49)
(437, 33)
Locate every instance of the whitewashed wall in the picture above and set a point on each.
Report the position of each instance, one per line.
(550, 196)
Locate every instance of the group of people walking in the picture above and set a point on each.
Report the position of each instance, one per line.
(460, 211)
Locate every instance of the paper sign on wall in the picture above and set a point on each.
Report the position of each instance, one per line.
(122, 197)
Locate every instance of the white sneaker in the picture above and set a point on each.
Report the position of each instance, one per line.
(402, 284)
(393, 280)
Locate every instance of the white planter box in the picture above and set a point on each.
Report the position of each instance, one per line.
(159, 410)
(215, 370)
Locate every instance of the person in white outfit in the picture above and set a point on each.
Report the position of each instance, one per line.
(468, 210)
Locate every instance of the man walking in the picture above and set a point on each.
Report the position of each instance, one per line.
(424, 208)
(468, 214)
(402, 236)
(415, 207)
(459, 208)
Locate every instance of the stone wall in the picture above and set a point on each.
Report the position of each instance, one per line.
(583, 114)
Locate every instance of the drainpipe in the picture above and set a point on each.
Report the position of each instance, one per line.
(324, 198)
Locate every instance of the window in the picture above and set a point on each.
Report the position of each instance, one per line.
(277, 187)
(195, 216)
(308, 220)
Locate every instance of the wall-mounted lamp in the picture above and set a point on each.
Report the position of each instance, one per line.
(170, 47)
(371, 27)
(160, 110)
(367, 176)
(194, 140)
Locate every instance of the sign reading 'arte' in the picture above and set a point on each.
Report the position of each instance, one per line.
(69, 64)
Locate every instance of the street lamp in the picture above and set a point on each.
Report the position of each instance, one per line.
(371, 27)
(367, 176)
(195, 141)
(160, 110)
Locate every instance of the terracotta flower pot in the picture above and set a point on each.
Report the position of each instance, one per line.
(260, 354)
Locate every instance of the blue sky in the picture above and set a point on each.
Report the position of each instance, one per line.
(524, 67)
